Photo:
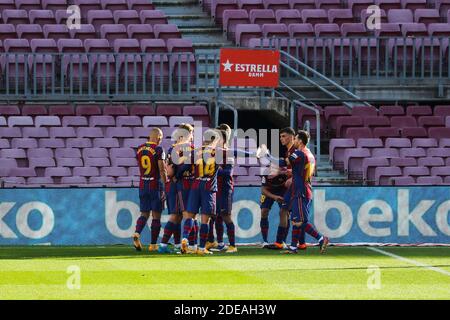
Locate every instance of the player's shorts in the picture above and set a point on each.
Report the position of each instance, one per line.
(172, 199)
(183, 191)
(202, 201)
(287, 199)
(225, 201)
(150, 200)
(267, 203)
(300, 208)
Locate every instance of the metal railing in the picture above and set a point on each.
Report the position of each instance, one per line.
(105, 76)
(356, 58)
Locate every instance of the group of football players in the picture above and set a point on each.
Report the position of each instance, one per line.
(195, 181)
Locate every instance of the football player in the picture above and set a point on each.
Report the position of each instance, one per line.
(151, 160)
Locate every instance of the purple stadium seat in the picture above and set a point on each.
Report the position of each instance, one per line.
(383, 174)
(219, 6)
(154, 121)
(73, 65)
(353, 159)
(87, 5)
(133, 143)
(54, 4)
(12, 154)
(340, 16)
(15, 16)
(61, 16)
(20, 121)
(95, 153)
(439, 29)
(438, 152)
(429, 181)
(88, 110)
(369, 165)
(302, 4)
(47, 121)
(105, 143)
(400, 16)
(102, 121)
(78, 143)
(142, 110)
(179, 45)
(101, 181)
(440, 171)
(444, 142)
(431, 162)
(115, 110)
(439, 110)
(416, 111)
(369, 143)
(122, 153)
(403, 162)
(153, 17)
(29, 31)
(63, 132)
(140, 31)
(4, 144)
(34, 110)
(244, 32)
(3, 122)
(412, 152)
(114, 5)
(414, 4)
(389, 30)
(403, 121)
(301, 30)
(314, 16)
(29, 132)
(426, 16)
(73, 181)
(126, 17)
(86, 171)
(166, 31)
(113, 172)
(128, 121)
(7, 31)
(56, 32)
(57, 172)
(337, 150)
(86, 31)
(42, 162)
(99, 17)
(262, 16)
(401, 181)
(376, 121)
(388, 4)
(392, 111)
(40, 153)
(276, 4)
(41, 17)
(342, 123)
(74, 121)
(9, 110)
(88, 132)
(231, 18)
(22, 172)
(175, 121)
(10, 132)
(328, 4)
(385, 153)
(398, 143)
(28, 4)
(414, 30)
(168, 110)
(327, 30)
(123, 132)
(7, 5)
(358, 133)
(357, 6)
(431, 121)
(250, 4)
(23, 143)
(275, 30)
(111, 32)
(141, 132)
(416, 171)
(413, 132)
(140, 5)
(288, 16)
(51, 143)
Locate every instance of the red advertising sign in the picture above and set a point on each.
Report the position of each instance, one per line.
(249, 68)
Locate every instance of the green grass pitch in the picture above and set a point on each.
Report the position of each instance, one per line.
(118, 272)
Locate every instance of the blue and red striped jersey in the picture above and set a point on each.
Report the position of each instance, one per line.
(148, 155)
(302, 162)
(205, 169)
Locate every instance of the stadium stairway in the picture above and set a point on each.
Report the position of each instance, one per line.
(197, 26)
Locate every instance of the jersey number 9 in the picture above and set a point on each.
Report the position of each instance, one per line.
(146, 164)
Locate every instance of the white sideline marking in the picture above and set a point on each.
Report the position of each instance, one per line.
(417, 263)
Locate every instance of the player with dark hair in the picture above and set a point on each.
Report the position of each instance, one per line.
(151, 160)
(177, 189)
(302, 171)
(202, 197)
(224, 196)
(273, 188)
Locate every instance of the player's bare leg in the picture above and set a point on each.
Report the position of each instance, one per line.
(140, 224)
(155, 229)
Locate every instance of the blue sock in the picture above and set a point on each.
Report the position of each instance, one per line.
(188, 224)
